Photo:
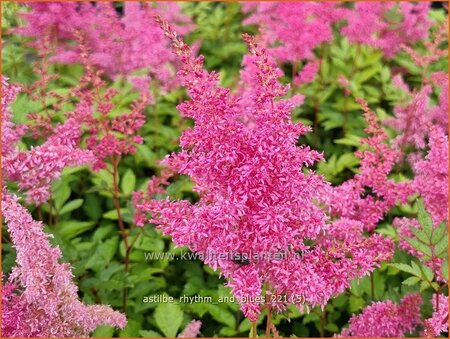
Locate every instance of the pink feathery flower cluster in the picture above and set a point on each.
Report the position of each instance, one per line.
(439, 113)
(11, 133)
(386, 319)
(387, 25)
(295, 29)
(110, 134)
(257, 199)
(36, 168)
(109, 137)
(192, 329)
(40, 298)
(298, 26)
(431, 182)
(308, 73)
(412, 118)
(119, 44)
(370, 194)
(431, 176)
(438, 323)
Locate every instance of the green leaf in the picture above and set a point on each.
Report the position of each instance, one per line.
(71, 228)
(222, 315)
(128, 182)
(424, 219)
(427, 273)
(420, 235)
(416, 244)
(112, 214)
(103, 332)
(168, 317)
(441, 248)
(60, 194)
(355, 303)
(424, 285)
(438, 233)
(131, 330)
(350, 140)
(70, 206)
(149, 334)
(406, 268)
(444, 269)
(332, 328)
(411, 281)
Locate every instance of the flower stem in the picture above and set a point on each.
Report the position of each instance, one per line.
(269, 321)
(123, 233)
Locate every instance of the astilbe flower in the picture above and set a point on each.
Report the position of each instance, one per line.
(387, 25)
(438, 323)
(120, 45)
(293, 30)
(110, 136)
(370, 194)
(254, 198)
(40, 298)
(439, 113)
(386, 319)
(308, 73)
(36, 168)
(11, 133)
(431, 183)
(431, 176)
(192, 329)
(298, 27)
(411, 117)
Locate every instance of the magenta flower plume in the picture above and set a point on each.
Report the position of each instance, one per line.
(192, 330)
(438, 323)
(40, 299)
(35, 169)
(119, 44)
(431, 176)
(257, 199)
(370, 194)
(387, 25)
(297, 27)
(386, 319)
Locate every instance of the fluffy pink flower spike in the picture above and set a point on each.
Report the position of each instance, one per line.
(257, 199)
(40, 298)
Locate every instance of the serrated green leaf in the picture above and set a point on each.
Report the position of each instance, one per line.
(424, 219)
(420, 234)
(411, 281)
(438, 233)
(441, 248)
(444, 269)
(424, 285)
(427, 273)
(419, 246)
(406, 268)
(168, 318)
